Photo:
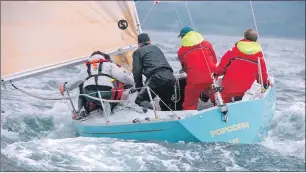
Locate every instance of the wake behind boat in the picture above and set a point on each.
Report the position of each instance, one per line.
(245, 121)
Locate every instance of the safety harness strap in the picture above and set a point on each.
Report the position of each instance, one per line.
(115, 82)
(242, 59)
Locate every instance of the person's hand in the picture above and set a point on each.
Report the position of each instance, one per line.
(270, 83)
(61, 88)
(266, 86)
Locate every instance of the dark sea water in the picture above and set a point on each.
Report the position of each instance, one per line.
(38, 135)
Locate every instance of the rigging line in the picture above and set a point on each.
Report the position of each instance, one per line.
(178, 16)
(189, 15)
(254, 19)
(68, 106)
(164, 103)
(39, 97)
(147, 15)
(66, 98)
(198, 39)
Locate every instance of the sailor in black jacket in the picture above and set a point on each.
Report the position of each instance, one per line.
(150, 61)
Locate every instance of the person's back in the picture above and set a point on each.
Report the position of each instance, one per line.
(153, 60)
(150, 61)
(99, 74)
(105, 73)
(112, 71)
(240, 67)
(198, 60)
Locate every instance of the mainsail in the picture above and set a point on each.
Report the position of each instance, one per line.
(38, 36)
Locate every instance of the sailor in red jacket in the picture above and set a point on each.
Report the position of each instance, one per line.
(198, 60)
(240, 67)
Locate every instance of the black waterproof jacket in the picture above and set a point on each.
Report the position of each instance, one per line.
(150, 61)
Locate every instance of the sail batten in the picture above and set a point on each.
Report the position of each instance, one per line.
(40, 34)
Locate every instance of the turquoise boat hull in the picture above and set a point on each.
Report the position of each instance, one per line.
(248, 122)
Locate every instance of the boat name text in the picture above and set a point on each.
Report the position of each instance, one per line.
(229, 129)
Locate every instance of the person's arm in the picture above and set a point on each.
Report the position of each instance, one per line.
(120, 75)
(181, 59)
(221, 69)
(74, 82)
(137, 69)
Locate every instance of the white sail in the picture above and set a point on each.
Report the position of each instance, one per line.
(38, 36)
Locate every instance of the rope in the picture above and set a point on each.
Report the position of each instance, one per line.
(189, 15)
(147, 15)
(68, 106)
(164, 103)
(177, 93)
(67, 98)
(254, 18)
(39, 97)
(198, 39)
(255, 23)
(178, 16)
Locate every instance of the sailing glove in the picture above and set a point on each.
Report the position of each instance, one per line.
(61, 87)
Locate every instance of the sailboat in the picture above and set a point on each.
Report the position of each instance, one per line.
(40, 36)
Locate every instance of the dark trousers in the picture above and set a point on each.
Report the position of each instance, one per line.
(162, 83)
(164, 93)
(92, 91)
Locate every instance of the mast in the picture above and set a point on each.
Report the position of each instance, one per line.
(137, 19)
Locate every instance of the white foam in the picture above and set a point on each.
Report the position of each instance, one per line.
(288, 133)
(10, 135)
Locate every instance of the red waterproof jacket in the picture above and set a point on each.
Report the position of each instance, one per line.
(193, 61)
(240, 67)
